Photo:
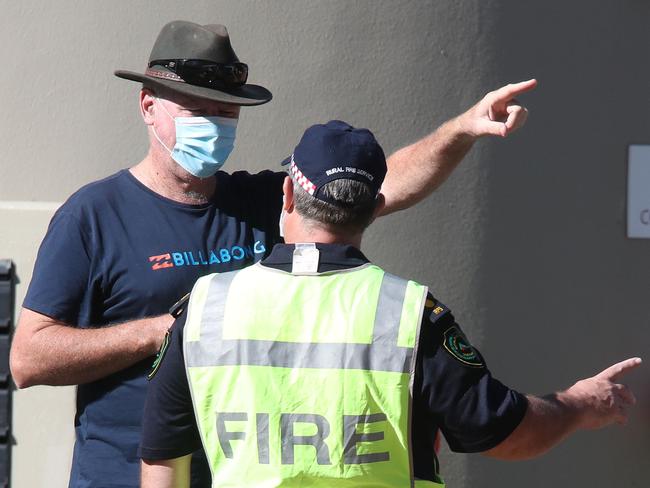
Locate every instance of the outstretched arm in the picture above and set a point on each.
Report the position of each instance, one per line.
(416, 170)
(591, 403)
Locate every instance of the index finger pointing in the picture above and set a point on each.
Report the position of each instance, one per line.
(513, 90)
(616, 370)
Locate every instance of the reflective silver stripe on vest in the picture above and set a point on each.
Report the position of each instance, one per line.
(215, 306)
(389, 310)
(382, 355)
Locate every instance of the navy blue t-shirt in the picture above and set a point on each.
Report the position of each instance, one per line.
(453, 390)
(117, 251)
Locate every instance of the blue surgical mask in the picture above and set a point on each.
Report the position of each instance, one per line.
(202, 143)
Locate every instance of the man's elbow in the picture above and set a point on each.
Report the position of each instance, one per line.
(22, 369)
(26, 362)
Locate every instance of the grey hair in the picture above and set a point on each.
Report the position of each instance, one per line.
(352, 212)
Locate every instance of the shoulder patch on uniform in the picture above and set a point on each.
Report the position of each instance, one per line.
(159, 356)
(459, 347)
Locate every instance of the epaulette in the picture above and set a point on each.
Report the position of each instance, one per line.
(453, 339)
(434, 309)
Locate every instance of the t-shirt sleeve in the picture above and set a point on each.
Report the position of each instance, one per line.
(169, 427)
(474, 411)
(268, 185)
(262, 193)
(61, 285)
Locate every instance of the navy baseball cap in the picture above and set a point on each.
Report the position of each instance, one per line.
(336, 150)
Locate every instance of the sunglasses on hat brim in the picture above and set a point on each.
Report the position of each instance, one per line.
(205, 73)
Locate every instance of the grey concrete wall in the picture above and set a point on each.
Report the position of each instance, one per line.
(565, 292)
(42, 422)
(526, 242)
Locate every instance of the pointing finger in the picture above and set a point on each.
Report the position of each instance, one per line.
(616, 370)
(512, 90)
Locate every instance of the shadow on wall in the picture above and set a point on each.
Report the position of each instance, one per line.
(566, 292)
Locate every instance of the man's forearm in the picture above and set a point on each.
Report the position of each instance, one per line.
(547, 422)
(168, 473)
(46, 352)
(591, 403)
(415, 171)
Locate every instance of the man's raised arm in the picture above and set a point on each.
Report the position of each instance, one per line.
(418, 169)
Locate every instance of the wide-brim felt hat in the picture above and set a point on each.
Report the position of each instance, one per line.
(182, 40)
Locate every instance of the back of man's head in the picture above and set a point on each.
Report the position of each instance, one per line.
(337, 172)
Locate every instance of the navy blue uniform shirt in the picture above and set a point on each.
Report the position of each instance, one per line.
(453, 389)
(117, 251)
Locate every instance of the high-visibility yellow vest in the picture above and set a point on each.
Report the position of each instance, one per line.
(304, 380)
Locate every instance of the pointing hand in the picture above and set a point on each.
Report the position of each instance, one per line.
(498, 113)
(600, 400)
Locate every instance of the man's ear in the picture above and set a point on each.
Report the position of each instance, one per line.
(147, 99)
(287, 189)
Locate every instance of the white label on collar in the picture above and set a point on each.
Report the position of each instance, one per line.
(305, 258)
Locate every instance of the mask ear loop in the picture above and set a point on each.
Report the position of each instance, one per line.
(163, 107)
(283, 215)
(153, 129)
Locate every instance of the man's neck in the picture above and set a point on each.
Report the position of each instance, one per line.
(165, 177)
(322, 236)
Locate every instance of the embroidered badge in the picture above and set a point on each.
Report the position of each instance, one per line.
(459, 347)
(159, 356)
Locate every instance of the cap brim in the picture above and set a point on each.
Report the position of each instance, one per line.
(242, 95)
(286, 161)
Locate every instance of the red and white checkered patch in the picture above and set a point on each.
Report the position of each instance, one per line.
(301, 179)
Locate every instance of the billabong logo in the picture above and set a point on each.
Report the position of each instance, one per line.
(161, 261)
(176, 259)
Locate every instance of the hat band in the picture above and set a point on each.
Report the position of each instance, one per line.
(301, 179)
(165, 75)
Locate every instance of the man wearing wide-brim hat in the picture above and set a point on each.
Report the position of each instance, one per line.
(121, 250)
